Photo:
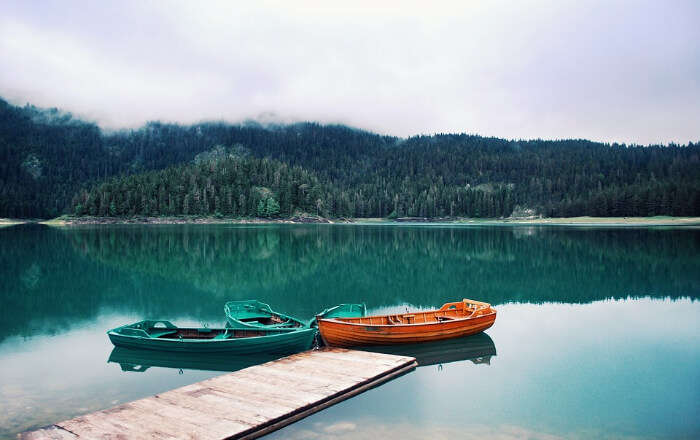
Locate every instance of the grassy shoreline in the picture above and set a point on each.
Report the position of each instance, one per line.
(565, 221)
(602, 221)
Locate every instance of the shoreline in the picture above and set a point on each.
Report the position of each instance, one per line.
(77, 221)
(10, 222)
(562, 221)
(601, 221)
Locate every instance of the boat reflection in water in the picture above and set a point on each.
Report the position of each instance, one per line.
(476, 348)
(136, 360)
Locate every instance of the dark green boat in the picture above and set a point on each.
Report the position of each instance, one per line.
(164, 336)
(253, 314)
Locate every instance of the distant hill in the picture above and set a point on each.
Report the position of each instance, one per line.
(218, 184)
(50, 163)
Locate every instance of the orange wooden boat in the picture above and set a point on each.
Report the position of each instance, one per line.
(452, 320)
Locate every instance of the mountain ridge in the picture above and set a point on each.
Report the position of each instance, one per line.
(46, 160)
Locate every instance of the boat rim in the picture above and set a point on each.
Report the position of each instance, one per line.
(113, 332)
(335, 320)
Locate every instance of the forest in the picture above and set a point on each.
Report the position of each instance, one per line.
(52, 163)
(229, 185)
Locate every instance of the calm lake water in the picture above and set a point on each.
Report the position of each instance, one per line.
(598, 332)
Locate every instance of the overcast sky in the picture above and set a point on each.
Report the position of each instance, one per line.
(624, 71)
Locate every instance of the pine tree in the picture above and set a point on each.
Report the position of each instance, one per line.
(272, 207)
(262, 208)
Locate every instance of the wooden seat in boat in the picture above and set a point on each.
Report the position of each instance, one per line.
(393, 320)
(444, 318)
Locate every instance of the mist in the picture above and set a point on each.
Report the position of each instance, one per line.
(607, 71)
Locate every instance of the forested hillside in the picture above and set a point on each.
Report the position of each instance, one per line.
(223, 184)
(51, 163)
(45, 156)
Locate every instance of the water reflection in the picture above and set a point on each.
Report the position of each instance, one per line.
(45, 378)
(477, 348)
(53, 278)
(563, 371)
(571, 362)
(133, 360)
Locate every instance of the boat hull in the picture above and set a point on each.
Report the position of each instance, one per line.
(279, 343)
(345, 334)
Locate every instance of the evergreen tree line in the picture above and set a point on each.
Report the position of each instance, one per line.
(244, 186)
(232, 186)
(46, 157)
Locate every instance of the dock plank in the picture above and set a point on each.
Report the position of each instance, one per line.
(245, 404)
(193, 423)
(225, 416)
(226, 409)
(273, 387)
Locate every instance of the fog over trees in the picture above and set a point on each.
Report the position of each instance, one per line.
(52, 163)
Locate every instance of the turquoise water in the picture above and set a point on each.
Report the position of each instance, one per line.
(597, 336)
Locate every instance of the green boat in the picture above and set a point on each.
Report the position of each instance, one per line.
(164, 336)
(253, 314)
(344, 311)
(341, 311)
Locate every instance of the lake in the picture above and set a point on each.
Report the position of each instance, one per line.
(597, 336)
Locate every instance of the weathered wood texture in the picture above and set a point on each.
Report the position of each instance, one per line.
(241, 405)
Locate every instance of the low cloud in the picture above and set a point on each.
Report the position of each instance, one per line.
(623, 71)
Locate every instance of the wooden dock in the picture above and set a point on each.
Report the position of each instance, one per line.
(244, 404)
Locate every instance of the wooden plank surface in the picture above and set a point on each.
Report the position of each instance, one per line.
(241, 405)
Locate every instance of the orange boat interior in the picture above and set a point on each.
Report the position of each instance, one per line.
(464, 309)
